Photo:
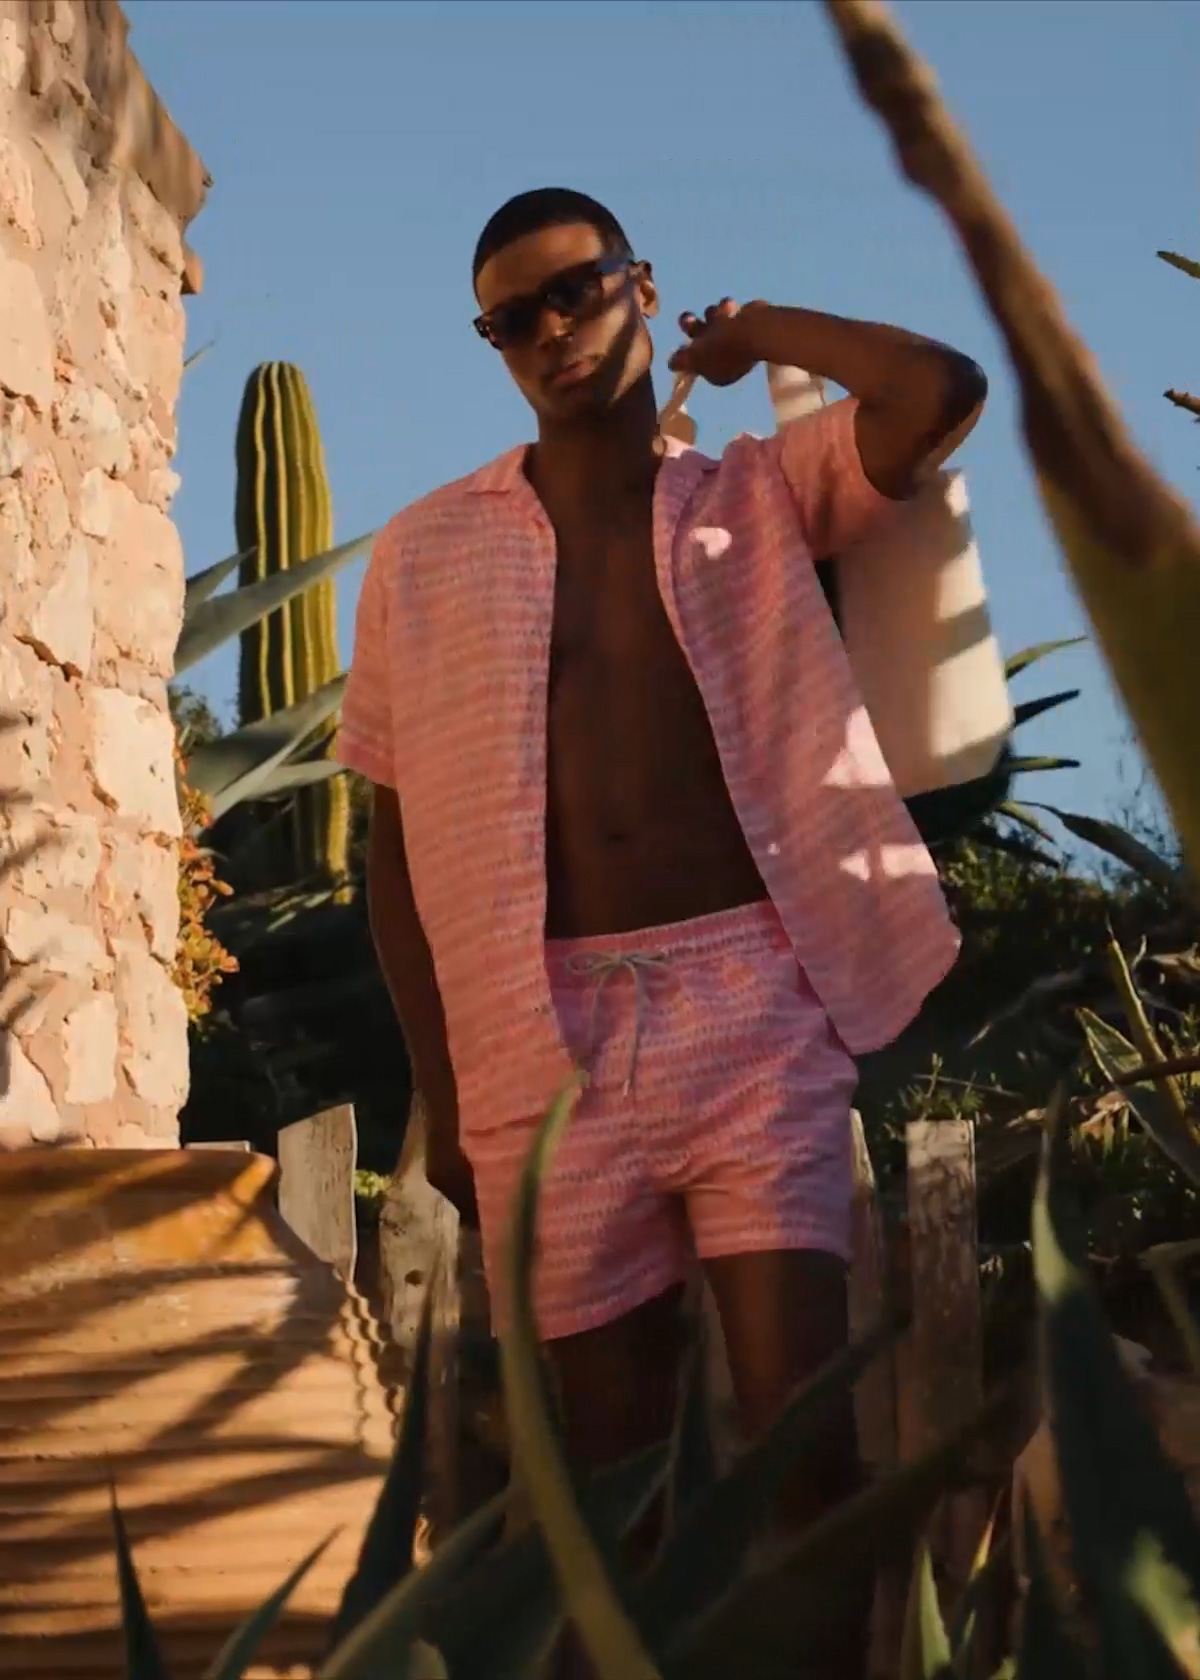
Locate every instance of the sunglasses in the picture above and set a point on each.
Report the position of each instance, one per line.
(571, 293)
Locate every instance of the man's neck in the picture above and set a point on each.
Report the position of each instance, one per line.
(593, 461)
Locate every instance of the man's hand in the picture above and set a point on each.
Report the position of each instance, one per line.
(718, 350)
(447, 1168)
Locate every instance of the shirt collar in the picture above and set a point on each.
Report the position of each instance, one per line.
(505, 474)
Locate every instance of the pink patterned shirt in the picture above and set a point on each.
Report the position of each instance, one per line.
(446, 703)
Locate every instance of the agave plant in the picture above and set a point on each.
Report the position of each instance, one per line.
(261, 760)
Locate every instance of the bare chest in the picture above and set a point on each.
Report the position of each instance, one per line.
(610, 629)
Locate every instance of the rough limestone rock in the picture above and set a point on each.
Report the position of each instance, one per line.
(97, 187)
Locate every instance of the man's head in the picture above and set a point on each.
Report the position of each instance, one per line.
(563, 300)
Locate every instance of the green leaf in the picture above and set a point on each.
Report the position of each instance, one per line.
(757, 1630)
(1042, 650)
(692, 1468)
(1184, 264)
(236, 767)
(588, 1579)
(242, 1645)
(704, 1556)
(1123, 846)
(1018, 813)
(395, 1624)
(217, 621)
(1161, 1592)
(201, 585)
(1036, 765)
(300, 774)
(1047, 1652)
(143, 1658)
(386, 1555)
(507, 1607)
(1029, 709)
(197, 355)
(925, 1651)
(1119, 1488)
(982, 1569)
(1158, 1116)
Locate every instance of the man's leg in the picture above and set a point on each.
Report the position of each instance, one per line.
(617, 1387)
(618, 1383)
(784, 1313)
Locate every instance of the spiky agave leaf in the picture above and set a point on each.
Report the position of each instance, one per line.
(1127, 1506)
(1127, 849)
(201, 586)
(239, 766)
(702, 1559)
(386, 1555)
(299, 773)
(1155, 1103)
(143, 1657)
(761, 1629)
(589, 1579)
(925, 1650)
(1185, 265)
(1030, 709)
(219, 619)
(1018, 662)
(491, 1609)
(243, 1644)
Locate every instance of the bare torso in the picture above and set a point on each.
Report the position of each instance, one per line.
(640, 828)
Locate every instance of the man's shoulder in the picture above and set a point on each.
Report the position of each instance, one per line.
(448, 513)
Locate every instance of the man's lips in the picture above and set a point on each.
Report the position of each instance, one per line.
(570, 373)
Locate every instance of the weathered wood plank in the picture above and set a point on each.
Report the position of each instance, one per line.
(419, 1251)
(316, 1185)
(875, 1399)
(944, 1367)
(875, 1396)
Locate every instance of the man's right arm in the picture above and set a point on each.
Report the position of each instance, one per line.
(407, 964)
(366, 743)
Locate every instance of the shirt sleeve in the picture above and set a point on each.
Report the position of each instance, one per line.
(835, 500)
(364, 739)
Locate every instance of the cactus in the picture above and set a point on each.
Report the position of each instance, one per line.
(284, 515)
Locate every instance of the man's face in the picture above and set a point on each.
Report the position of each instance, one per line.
(571, 319)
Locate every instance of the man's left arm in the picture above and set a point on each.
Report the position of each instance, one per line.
(916, 399)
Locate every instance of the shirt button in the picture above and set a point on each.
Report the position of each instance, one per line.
(773, 849)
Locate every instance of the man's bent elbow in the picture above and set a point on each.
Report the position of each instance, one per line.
(962, 393)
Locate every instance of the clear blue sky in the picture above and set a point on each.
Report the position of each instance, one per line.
(357, 146)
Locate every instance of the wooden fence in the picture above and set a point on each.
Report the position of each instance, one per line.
(927, 1260)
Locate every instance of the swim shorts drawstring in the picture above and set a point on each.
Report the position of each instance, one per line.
(603, 966)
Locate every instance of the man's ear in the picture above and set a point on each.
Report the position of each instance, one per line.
(647, 291)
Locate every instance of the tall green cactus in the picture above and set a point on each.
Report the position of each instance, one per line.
(284, 514)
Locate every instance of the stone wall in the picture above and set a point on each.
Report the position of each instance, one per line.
(96, 187)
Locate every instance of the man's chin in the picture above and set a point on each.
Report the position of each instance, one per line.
(575, 403)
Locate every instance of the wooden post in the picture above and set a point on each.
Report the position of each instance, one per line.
(875, 1399)
(944, 1364)
(875, 1396)
(316, 1185)
(418, 1251)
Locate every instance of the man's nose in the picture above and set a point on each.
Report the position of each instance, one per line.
(553, 327)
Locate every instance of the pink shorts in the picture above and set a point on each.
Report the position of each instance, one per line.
(715, 1119)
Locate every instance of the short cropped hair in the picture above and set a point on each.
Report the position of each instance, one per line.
(544, 207)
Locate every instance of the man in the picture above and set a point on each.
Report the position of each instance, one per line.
(630, 816)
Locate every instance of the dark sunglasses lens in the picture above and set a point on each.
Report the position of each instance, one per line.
(513, 323)
(571, 293)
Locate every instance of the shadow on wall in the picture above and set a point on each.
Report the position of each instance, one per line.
(17, 993)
